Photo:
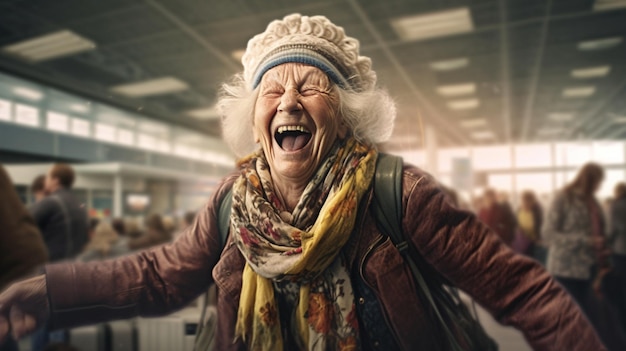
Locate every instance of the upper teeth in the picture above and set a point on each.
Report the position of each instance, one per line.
(283, 129)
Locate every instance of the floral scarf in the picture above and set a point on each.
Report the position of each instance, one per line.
(302, 248)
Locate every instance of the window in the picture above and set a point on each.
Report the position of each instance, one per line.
(533, 155)
(146, 141)
(26, 115)
(5, 110)
(539, 182)
(57, 122)
(492, 157)
(80, 127)
(445, 157)
(125, 137)
(104, 132)
(608, 152)
(572, 154)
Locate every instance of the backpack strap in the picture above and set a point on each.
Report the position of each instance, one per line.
(223, 219)
(387, 208)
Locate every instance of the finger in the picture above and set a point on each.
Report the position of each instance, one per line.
(4, 329)
(16, 317)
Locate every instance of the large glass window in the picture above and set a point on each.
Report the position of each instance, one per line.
(538, 182)
(608, 152)
(572, 154)
(80, 127)
(533, 155)
(491, 157)
(445, 157)
(104, 132)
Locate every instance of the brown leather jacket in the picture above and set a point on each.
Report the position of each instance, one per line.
(516, 290)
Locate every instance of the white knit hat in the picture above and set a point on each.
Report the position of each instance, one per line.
(313, 41)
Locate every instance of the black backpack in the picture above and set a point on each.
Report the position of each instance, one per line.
(462, 331)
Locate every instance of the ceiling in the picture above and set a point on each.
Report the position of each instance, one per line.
(517, 58)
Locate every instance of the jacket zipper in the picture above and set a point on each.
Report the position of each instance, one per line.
(378, 241)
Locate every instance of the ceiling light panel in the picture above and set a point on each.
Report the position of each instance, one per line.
(465, 104)
(473, 123)
(209, 113)
(50, 46)
(591, 72)
(158, 86)
(28, 93)
(449, 65)
(579, 92)
(607, 5)
(433, 25)
(483, 135)
(560, 116)
(456, 89)
(599, 44)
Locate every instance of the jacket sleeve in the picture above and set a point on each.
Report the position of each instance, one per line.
(553, 232)
(148, 283)
(22, 249)
(516, 290)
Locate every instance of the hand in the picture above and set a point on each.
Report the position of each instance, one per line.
(23, 307)
(597, 282)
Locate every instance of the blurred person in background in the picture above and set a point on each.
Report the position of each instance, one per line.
(132, 228)
(617, 242)
(92, 223)
(530, 221)
(105, 243)
(22, 249)
(38, 188)
(498, 216)
(187, 219)
(63, 224)
(60, 216)
(305, 266)
(578, 255)
(119, 225)
(155, 233)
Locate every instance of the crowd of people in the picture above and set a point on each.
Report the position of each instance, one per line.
(55, 227)
(580, 240)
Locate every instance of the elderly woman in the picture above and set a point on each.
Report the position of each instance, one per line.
(305, 266)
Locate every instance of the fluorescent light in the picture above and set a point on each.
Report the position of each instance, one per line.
(483, 135)
(579, 92)
(449, 65)
(49, 46)
(618, 119)
(473, 123)
(433, 25)
(238, 54)
(79, 108)
(604, 5)
(599, 44)
(465, 104)
(28, 93)
(456, 89)
(204, 113)
(591, 72)
(560, 116)
(549, 131)
(156, 86)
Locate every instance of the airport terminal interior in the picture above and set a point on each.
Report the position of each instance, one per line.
(508, 95)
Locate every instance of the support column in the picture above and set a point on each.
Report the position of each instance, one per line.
(430, 138)
(118, 201)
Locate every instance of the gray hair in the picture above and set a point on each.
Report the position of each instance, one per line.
(369, 114)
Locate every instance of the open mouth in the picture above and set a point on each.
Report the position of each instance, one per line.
(292, 138)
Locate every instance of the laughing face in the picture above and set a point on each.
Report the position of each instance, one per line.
(296, 120)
